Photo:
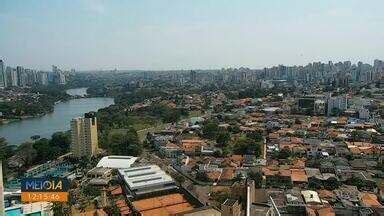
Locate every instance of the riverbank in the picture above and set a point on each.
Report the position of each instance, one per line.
(77, 93)
(8, 121)
(24, 103)
(17, 131)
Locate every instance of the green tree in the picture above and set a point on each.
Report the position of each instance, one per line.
(91, 191)
(125, 144)
(210, 129)
(255, 136)
(245, 145)
(331, 184)
(112, 210)
(45, 150)
(315, 184)
(257, 177)
(6, 151)
(284, 153)
(27, 153)
(166, 113)
(221, 196)
(60, 209)
(62, 140)
(234, 129)
(223, 137)
(180, 179)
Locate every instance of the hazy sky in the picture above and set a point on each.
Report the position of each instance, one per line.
(188, 34)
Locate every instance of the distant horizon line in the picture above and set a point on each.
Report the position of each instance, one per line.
(195, 69)
(214, 69)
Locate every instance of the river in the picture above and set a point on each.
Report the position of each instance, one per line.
(59, 120)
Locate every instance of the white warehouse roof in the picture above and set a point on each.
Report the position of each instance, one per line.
(116, 161)
(146, 178)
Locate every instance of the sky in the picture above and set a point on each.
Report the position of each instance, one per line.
(188, 34)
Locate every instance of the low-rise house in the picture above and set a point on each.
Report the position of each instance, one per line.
(370, 200)
(278, 197)
(159, 139)
(311, 197)
(208, 167)
(227, 162)
(207, 150)
(249, 161)
(325, 180)
(237, 159)
(192, 146)
(327, 195)
(313, 148)
(294, 197)
(299, 177)
(348, 193)
(363, 149)
(212, 176)
(327, 167)
(170, 150)
(363, 164)
(203, 211)
(279, 178)
(312, 172)
(187, 164)
(320, 211)
(228, 174)
(342, 169)
(367, 183)
(99, 176)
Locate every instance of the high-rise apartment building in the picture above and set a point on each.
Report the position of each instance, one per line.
(11, 76)
(42, 78)
(193, 77)
(31, 77)
(339, 103)
(3, 77)
(21, 76)
(84, 135)
(59, 76)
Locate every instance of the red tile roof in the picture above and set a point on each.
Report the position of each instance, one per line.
(299, 175)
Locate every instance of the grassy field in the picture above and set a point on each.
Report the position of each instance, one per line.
(145, 124)
(142, 122)
(143, 130)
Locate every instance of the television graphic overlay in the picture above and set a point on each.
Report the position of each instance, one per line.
(50, 189)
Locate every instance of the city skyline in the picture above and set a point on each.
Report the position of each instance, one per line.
(149, 35)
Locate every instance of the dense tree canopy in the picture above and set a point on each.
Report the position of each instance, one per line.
(245, 145)
(166, 113)
(6, 150)
(223, 137)
(210, 129)
(124, 143)
(257, 177)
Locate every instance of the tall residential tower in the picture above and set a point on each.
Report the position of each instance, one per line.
(3, 77)
(84, 135)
